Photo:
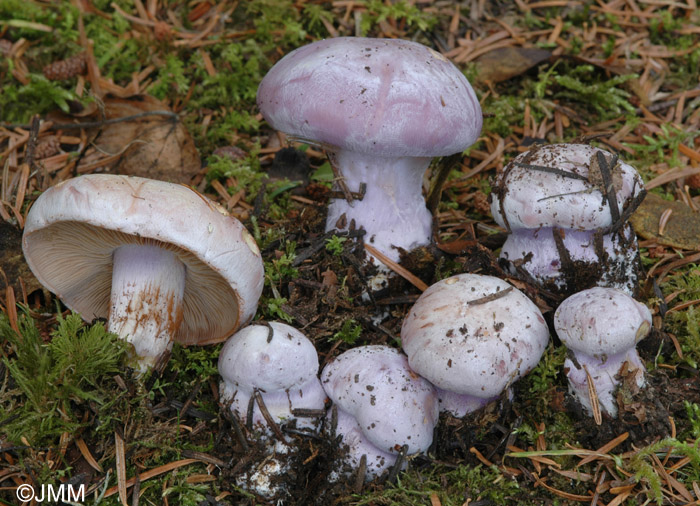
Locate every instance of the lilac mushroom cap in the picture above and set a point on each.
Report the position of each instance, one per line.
(382, 108)
(473, 335)
(284, 369)
(159, 260)
(532, 203)
(392, 404)
(601, 326)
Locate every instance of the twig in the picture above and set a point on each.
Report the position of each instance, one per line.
(490, 297)
(94, 124)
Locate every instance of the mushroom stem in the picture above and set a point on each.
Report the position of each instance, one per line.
(148, 283)
(605, 377)
(393, 210)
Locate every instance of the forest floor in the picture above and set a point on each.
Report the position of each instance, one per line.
(80, 82)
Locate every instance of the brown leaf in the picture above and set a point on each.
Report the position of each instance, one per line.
(682, 230)
(155, 147)
(505, 63)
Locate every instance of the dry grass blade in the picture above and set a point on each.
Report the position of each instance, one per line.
(11, 308)
(80, 443)
(151, 474)
(405, 274)
(121, 467)
(605, 448)
(561, 493)
(593, 396)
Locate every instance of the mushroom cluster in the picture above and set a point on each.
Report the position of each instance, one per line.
(160, 261)
(382, 109)
(566, 208)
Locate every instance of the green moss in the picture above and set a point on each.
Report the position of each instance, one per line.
(452, 486)
(57, 377)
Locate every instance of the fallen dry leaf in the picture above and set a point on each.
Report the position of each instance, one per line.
(507, 62)
(156, 147)
(681, 230)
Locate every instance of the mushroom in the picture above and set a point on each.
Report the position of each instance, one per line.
(382, 108)
(568, 229)
(473, 335)
(280, 363)
(159, 260)
(601, 326)
(392, 404)
(356, 445)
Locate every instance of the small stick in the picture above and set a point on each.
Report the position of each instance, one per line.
(31, 143)
(340, 180)
(609, 186)
(270, 332)
(358, 195)
(94, 124)
(552, 170)
(249, 413)
(444, 166)
(266, 415)
(308, 413)
(394, 471)
(360, 475)
(490, 297)
(237, 429)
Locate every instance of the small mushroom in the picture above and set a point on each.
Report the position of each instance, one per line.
(601, 326)
(473, 335)
(382, 108)
(392, 404)
(281, 364)
(568, 229)
(159, 260)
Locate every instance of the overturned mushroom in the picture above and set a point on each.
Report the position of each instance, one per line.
(601, 326)
(566, 208)
(382, 108)
(159, 260)
(472, 336)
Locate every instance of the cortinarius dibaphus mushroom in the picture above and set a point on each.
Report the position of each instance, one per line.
(159, 260)
(473, 335)
(601, 326)
(567, 231)
(392, 404)
(382, 108)
(278, 361)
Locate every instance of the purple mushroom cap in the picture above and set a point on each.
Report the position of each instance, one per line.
(464, 337)
(386, 97)
(531, 199)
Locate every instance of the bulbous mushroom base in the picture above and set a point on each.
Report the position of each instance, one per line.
(281, 405)
(605, 376)
(148, 283)
(576, 259)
